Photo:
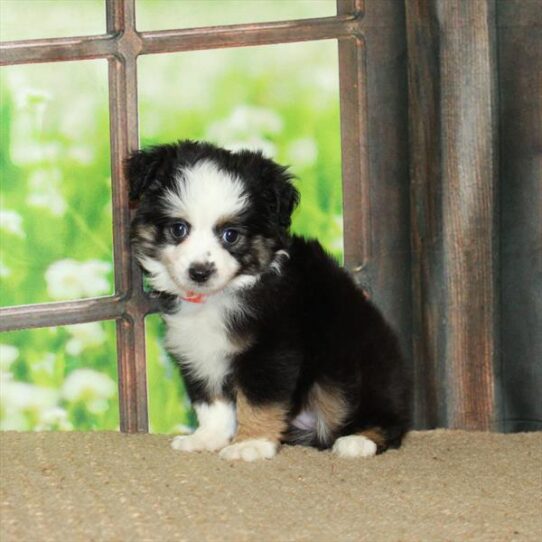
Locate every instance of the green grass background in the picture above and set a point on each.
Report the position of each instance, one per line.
(55, 192)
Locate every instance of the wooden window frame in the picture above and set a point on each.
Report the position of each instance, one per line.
(121, 45)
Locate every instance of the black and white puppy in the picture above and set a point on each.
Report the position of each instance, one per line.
(275, 342)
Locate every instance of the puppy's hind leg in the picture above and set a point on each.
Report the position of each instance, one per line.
(367, 443)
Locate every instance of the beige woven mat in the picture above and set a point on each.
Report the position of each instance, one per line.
(442, 485)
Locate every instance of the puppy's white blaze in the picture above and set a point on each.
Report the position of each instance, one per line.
(197, 333)
(250, 450)
(217, 425)
(204, 196)
(354, 446)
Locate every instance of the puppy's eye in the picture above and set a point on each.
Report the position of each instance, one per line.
(179, 230)
(230, 236)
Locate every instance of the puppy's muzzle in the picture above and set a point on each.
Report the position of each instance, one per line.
(201, 272)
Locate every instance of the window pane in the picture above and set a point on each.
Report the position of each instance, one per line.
(32, 19)
(59, 378)
(169, 406)
(167, 14)
(282, 99)
(55, 205)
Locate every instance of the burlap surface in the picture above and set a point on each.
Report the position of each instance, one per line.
(442, 485)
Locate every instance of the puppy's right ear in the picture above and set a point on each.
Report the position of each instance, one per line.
(147, 167)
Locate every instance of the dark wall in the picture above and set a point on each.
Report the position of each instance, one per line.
(519, 24)
(454, 107)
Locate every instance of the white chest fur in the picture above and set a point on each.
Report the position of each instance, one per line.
(198, 334)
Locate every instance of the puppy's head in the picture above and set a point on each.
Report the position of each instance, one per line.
(208, 218)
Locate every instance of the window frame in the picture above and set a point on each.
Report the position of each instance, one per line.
(122, 45)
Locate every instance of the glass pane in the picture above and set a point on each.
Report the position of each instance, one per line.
(167, 14)
(169, 406)
(282, 99)
(55, 187)
(32, 19)
(60, 378)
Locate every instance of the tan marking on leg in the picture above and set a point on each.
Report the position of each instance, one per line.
(259, 421)
(377, 436)
(330, 408)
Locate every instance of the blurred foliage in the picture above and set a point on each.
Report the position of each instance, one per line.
(55, 213)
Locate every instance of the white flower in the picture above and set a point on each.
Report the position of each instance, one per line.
(34, 101)
(83, 336)
(327, 80)
(94, 274)
(245, 124)
(338, 242)
(20, 402)
(50, 199)
(5, 271)
(12, 222)
(26, 151)
(303, 152)
(70, 279)
(84, 154)
(55, 418)
(255, 119)
(8, 354)
(44, 191)
(28, 98)
(90, 387)
(5, 376)
(45, 364)
(78, 122)
(15, 421)
(265, 147)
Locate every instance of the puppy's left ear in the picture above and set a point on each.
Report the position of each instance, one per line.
(146, 167)
(287, 199)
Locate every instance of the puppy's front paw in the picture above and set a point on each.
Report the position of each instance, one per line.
(199, 441)
(354, 446)
(250, 450)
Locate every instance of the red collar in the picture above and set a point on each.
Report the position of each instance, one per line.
(192, 297)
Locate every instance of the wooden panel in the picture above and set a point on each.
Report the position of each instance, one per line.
(469, 201)
(61, 314)
(453, 153)
(428, 331)
(386, 272)
(170, 41)
(246, 35)
(355, 165)
(124, 138)
(520, 83)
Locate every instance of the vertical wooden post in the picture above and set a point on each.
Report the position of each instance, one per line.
(374, 129)
(355, 160)
(426, 215)
(469, 174)
(124, 138)
(387, 272)
(454, 209)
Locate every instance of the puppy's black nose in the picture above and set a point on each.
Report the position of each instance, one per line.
(200, 272)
